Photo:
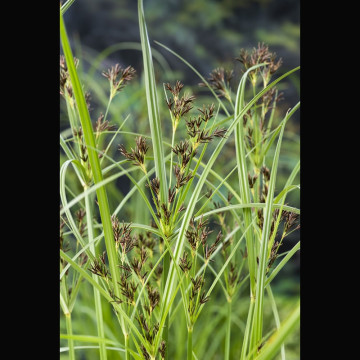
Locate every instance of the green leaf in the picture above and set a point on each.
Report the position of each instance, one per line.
(152, 102)
(272, 346)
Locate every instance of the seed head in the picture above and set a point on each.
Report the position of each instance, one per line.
(203, 298)
(98, 267)
(185, 264)
(219, 80)
(162, 349)
(252, 180)
(118, 77)
(266, 173)
(137, 155)
(102, 125)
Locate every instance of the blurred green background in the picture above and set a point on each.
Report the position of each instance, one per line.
(208, 34)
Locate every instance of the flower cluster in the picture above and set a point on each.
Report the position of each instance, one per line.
(118, 78)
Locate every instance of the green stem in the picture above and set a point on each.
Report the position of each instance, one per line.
(189, 344)
(171, 156)
(247, 330)
(276, 318)
(108, 107)
(69, 332)
(127, 354)
(164, 279)
(97, 298)
(228, 331)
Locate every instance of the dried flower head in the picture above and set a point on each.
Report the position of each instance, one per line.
(154, 185)
(290, 220)
(145, 353)
(128, 289)
(181, 178)
(101, 125)
(65, 82)
(98, 267)
(137, 155)
(208, 251)
(252, 180)
(219, 81)
(162, 349)
(204, 298)
(178, 106)
(266, 173)
(122, 236)
(260, 55)
(118, 78)
(154, 298)
(273, 254)
(185, 264)
(207, 112)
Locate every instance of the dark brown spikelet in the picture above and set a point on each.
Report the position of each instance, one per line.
(171, 195)
(273, 254)
(203, 298)
(127, 270)
(290, 220)
(98, 267)
(266, 173)
(162, 349)
(181, 208)
(204, 136)
(252, 180)
(219, 79)
(204, 235)
(180, 148)
(207, 112)
(153, 296)
(122, 235)
(265, 190)
(176, 89)
(260, 55)
(220, 133)
(185, 264)
(136, 265)
(119, 77)
(127, 288)
(146, 241)
(182, 179)
(65, 83)
(145, 353)
(83, 259)
(165, 214)
(197, 233)
(269, 97)
(101, 125)
(115, 298)
(260, 218)
(137, 155)
(232, 276)
(210, 250)
(179, 106)
(197, 283)
(80, 214)
(154, 186)
(142, 322)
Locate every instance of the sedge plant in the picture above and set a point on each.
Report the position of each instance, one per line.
(209, 236)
